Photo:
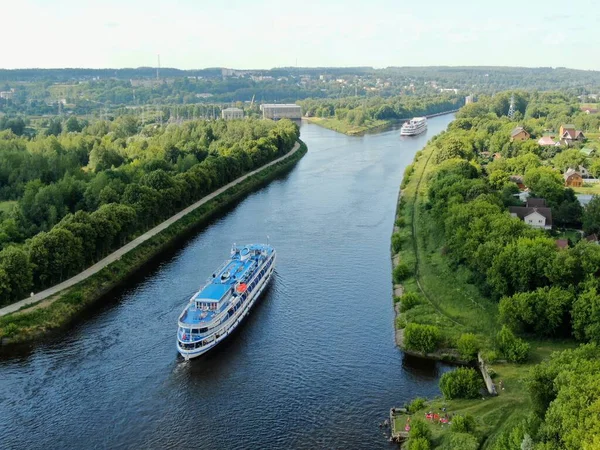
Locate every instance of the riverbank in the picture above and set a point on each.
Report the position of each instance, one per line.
(60, 305)
(369, 127)
(448, 302)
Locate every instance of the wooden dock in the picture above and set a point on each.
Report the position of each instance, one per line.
(399, 434)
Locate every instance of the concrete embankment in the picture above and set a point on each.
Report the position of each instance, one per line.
(116, 256)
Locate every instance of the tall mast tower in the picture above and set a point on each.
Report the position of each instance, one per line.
(158, 66)
(511, 109)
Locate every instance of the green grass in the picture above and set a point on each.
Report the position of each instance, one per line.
(452, 303)
(344, 127)
(588, 188)
(33, 323)
(6, 206)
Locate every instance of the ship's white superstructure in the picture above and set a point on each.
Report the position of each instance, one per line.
(414, 126)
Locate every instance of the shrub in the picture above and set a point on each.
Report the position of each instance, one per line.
(463, 424)
(468, 346)
(511, 347)
(419, 430)
(400, 222)
(418, 444)
(416, 405)
(401, 272)
(408, 301)
(396, 299)
(407, 173)
(489, 356)
(400, 322)
(396, 242)
(463, 382)
(422, 338)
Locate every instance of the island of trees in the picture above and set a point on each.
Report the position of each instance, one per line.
(478, 280)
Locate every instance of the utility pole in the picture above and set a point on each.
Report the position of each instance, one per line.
(158, 66)
(511, 109)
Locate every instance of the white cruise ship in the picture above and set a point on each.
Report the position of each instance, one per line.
(414, 126)
(220, 306)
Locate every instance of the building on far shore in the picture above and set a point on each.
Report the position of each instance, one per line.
(469, 99)
(232, 114)
(281, 111)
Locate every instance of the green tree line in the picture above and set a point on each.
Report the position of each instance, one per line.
(76, 196)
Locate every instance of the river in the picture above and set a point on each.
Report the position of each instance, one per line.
(313, 366)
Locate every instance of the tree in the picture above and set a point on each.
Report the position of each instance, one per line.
(55, 255)
(422, 338)
(545, 183)
(586, 316)
(543, 311)
(511, 347)
(463, 382)
(14, 263)
(73, 125)
(54, 127)
(468, 346)
(591, 216)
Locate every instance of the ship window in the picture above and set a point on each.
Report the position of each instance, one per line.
(203, 330)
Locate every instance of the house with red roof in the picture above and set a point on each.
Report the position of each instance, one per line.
(569, 133)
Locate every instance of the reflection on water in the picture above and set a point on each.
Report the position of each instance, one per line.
(313, 366)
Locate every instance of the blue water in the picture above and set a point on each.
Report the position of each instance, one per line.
(314, 365)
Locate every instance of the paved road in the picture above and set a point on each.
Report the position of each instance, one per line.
(133, 244)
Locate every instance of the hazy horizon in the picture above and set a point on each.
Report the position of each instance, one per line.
(381, 33)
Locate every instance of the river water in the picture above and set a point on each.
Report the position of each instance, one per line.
(313, 366)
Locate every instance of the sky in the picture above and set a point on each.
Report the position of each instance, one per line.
(261, 34)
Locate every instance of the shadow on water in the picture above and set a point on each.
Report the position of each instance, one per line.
(422, 368)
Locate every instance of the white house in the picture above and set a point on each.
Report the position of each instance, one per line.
(535, 217)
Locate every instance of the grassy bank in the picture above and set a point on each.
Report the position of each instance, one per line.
(62, 309)
(344, 127)
(448, 301)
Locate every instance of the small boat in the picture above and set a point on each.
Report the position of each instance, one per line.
(414, 126)
(217, 309)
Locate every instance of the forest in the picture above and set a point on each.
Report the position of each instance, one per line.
(523, 289)
(69, 198)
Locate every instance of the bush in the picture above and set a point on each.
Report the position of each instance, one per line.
(419, 430)
(400, 322)
(422, 338)
(396, 242)
(463, 382)
(408, 301)
(401, 272)
(468, 346)
(396, 299)
(463, 424)
(462, 441)
(400, 222)
(407, 173)
(416, 405)
(489, 356)
(418, 444)
(511, 347)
